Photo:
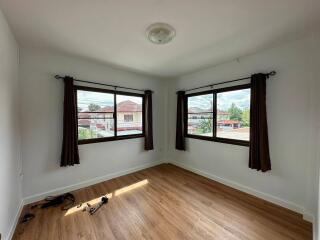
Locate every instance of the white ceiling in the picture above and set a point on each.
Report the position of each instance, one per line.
(113, 31)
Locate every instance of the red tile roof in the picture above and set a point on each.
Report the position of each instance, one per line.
(125, 106)
(108, 109)
(228, 122)
(223, 112)
(129, 106)
(84, 115)
(197, 110)
(200, 110)
(84, 122)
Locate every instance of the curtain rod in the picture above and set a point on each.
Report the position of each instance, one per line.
(102, 84)
(272, 73)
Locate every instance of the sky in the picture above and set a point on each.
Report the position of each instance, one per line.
(240, 97)
(224, 100)
(203, 101)
(84, 98)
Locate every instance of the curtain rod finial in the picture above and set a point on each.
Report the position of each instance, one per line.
(272, 73)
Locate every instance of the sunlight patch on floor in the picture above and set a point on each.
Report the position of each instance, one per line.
(92, 202)
(131, 187)
(95, 201)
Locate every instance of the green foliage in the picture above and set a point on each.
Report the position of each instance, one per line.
(85, 133)
(93, 107)
(235, 112)
(205, 125)
(246, 117)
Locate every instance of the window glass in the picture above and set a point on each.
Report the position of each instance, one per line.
(233, 114)
(95, 114)
(200, 115)
(129, 115)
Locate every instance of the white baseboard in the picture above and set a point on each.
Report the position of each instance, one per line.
(283, 203)
(15, 221)
(308, 217)
(41, 196)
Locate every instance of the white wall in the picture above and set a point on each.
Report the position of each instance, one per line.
(290, 106)
(315, 135)
(10, 164)
(317, 132)
(42, 107)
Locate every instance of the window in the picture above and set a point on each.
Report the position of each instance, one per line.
(95, 115)
(233, 114)
(200, 115)
(105, 115)
(129, 115)
(221, 115)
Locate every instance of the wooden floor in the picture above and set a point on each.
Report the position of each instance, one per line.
(166, 202)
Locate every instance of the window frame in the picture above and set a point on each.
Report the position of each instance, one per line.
(115, 93)
(214, 138)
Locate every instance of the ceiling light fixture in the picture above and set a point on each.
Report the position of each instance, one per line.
(160, 33)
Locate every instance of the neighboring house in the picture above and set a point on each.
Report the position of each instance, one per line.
(228, 124)
(129, 115)
(223, 115)
(129, 118)
(196, 115)
(224, 122)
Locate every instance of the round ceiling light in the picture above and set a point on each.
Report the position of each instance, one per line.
(160, 33)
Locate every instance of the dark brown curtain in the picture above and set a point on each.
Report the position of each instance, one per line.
(180, 128)
(70, 152)
(259, 158)
(148, 126)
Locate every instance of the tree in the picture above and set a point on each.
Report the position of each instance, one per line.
(246, 117)
(93, 107)
(85, 133)
(205, 125)
(235, 112)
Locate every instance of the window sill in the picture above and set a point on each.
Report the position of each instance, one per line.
(109, 139)
(220, 140)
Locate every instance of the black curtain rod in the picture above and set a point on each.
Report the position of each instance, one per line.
(272, 73)
(101, 84)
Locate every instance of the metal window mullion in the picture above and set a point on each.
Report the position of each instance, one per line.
(99, 118)
(115, 114)
(214, 115)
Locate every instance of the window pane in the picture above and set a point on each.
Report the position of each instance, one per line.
(95, 114)
(129, 115)
(200, 115)
(233, 114)
(95, 128)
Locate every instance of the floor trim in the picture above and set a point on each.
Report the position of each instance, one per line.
(283, 203)
(41, 196)
(15, 221)
(308, 217)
